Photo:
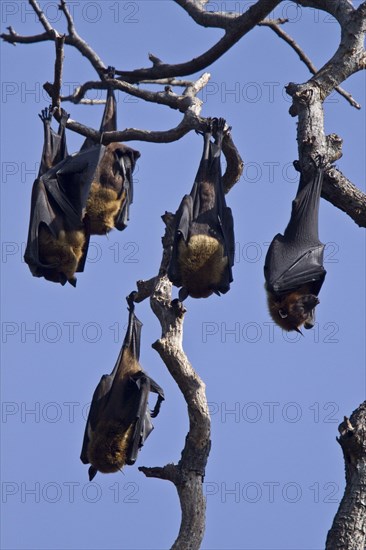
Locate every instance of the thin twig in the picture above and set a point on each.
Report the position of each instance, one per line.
(57, 82)
(69, 19)
(41, 16)
(303, 57)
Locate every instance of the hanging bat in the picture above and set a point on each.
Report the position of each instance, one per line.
(293, 267)
(204, 243)
(119, 419)
(57, 237)
(112, 189)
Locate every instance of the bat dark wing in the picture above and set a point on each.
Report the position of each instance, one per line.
(122, 397)
(143, 426)
(227, 229)
(194, 216)
(58, 201)
(296, 257)
(127, 163)
(109, 120)
(290, 267)
(182, 221)
(96, 410)
(54, 147)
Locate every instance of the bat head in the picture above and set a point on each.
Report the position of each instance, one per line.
(129, 155)
(108, 448)
(293, 310)
(112, 188)
(60, 256)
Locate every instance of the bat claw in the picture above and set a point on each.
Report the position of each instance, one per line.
(111, 71)
(46, 114)
(130, 300)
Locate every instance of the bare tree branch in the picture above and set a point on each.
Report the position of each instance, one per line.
(236, 27)
(54, 89)
(41, 16)
(343, 194)
(72, 39)
(308, 98)
(303, 57)
(206, 18)
(186, 103)
(14, 38)
(350, 56)
(188, 474)
(168, 98)
(308, 106)
(348, 531)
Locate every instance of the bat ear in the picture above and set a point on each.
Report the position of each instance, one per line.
(72, 281)
(182, 294)
(92, 473)
(136, 154)
(282, 313)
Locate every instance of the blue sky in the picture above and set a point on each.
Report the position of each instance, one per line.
(275, 473)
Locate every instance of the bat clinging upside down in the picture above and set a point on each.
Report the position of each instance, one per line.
(111, 192)
(57, 237)
(203, 248)
(293, 268)
(119, 419)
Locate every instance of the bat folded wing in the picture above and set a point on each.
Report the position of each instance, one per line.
(97, 407)
(288, 269)
(182, 222)
(74, 176)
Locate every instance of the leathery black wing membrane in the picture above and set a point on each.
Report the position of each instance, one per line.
(57, 237)
(293, 267)
(111, 193)
(119, 419)
(204, 243)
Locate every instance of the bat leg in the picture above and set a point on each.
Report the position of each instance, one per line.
(154, 387)
(219, 129)
(131, 300)
(154, 413)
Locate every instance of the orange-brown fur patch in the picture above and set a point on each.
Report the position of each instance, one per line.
(108, 448)
(201, 264)
(130, 365)
(285, 303)
(65, 252)
(102, 207)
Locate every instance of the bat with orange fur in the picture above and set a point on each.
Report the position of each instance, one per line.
(119, 419)
(111, 192)
(58, 237)
(204, 244)
(293, 267)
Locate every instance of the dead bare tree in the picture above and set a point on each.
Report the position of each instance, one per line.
(307, 106)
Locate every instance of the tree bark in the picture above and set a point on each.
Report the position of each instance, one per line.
(348, 531)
